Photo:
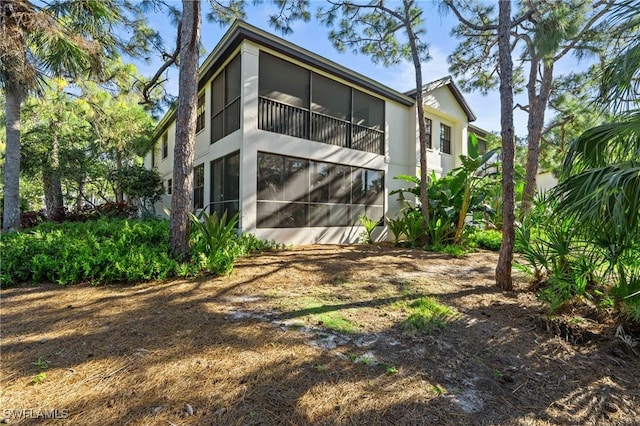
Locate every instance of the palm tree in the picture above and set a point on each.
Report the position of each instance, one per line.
(600, 186)
(602, 166)
(63, 38)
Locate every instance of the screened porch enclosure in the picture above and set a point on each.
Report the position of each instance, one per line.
(296, 192)
(297, 102)
(225, 100)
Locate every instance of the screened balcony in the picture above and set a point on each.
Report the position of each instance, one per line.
(310, 106)
(225, 100)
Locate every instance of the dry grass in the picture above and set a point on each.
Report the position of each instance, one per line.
(257, 348)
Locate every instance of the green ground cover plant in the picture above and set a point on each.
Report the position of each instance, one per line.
(110, 250)
(426, 315)
(579, 260)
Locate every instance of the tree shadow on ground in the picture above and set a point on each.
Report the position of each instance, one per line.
(137, 355)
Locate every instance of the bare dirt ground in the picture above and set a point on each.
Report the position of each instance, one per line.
(261, 347)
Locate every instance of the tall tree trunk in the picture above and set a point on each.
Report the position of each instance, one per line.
(80, 196)
(182, 199)
(13, 51)
(53, 199)
(503, 269)
(119, 185)
(422, 128)
(535, 123)
(11, 213)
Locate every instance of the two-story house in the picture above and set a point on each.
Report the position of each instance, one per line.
(302, 147)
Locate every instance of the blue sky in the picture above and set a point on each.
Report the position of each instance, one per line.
(313, 36)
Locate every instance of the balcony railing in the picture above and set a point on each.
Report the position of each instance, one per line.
(367, 139)
(232, 117)
(299, 122)
(330, 130)
(282, 118)
(217, 126)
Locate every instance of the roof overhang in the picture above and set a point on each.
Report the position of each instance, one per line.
(481, 133)
(455, 91)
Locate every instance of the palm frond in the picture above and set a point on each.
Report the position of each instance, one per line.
(620, 80)
(608, 196)
(605, 144)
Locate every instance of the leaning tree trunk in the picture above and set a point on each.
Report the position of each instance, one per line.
(422, 129)
(503, 269)
(537, 106)
(182, 199)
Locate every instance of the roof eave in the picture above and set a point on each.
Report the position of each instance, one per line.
(455, 91)
(453, 87)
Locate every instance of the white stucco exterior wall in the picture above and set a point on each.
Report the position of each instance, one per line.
(442, 108)
(546, 181)
(401, 154)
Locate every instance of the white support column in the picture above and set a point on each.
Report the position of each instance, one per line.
(249, 126)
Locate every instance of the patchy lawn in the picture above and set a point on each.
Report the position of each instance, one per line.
(313, 335)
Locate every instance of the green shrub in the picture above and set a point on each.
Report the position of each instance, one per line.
(115, 250)
(450, 249)
(573, 260)
(369, 226)
(631, 308)
(414, 227)
(103, 251)
(489, 239)
(216, 243)
(396, 226)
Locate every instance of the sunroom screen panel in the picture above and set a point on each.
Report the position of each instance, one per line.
(368, 111)
(283, 81)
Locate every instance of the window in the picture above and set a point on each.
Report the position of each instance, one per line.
(482, 146)
(429, 129)
(217, 108)
(225, 185)
(331, 112)
(319, 183)
(340, 189)
(169, 186)
(225, 100)
(165, 145)
(201, 115)
(296, 179)
(153, 156)
(445, 138)
(198, 186)
(295, 192)
(331, 98)
(311, 106)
